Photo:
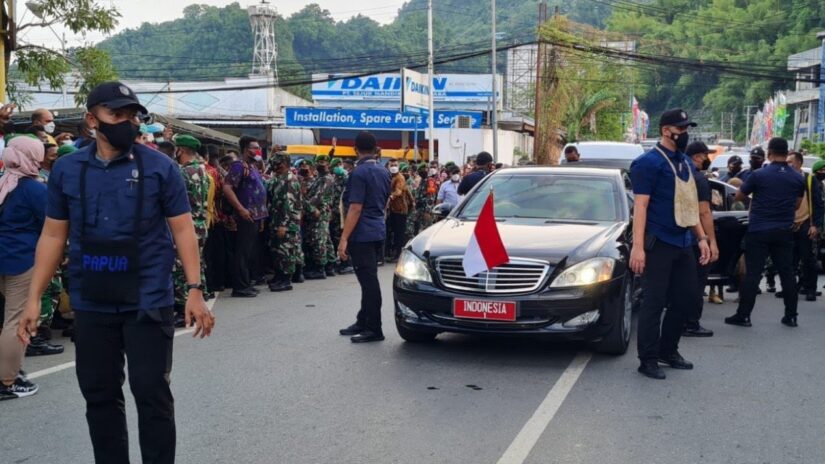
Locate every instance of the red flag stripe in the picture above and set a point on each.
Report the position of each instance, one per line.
(489, 240)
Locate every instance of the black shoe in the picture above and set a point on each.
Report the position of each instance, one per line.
(244, 294)
(40, 347)
(652, 370)
(367, 336)
(380, 263)
(697, 331)
(315, 274)
(346, 270)
(21, 388)
(732, 289)
(780, 294)
(258, 282)
(676, 361)
(790, 321)
(180, 320)
(354, 329)
(810, 296)
(298, 278)
(771, 290)
(741, 321)
(282, 285)
(330, 270)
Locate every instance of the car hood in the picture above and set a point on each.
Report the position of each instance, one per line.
(523, 239)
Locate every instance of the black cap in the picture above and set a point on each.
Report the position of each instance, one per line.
(114, 95)
(697, 147)
(758, 152)
(735, 159)
(365, 142)
(484, 158)
(777, 146)
(676, 117)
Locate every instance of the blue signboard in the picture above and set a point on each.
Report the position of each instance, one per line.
(331, 118)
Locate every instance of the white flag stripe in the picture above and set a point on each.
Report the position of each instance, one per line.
(473, 261)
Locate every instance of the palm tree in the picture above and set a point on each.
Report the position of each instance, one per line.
(583, 111)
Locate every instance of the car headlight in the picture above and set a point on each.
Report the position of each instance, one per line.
(412, 267)
(588, 272)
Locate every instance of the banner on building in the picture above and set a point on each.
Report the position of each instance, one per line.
(468, 88)
(770, 121)
(333, 118)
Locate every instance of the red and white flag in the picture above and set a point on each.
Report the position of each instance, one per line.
(485, 250)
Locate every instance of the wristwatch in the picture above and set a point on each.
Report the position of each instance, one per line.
(197, 286)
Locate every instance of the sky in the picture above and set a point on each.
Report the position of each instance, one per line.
(136, 12)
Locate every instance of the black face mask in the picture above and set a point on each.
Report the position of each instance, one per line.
(322, 170)
(705, 165)
(121, 135)
(303, 172)
(820, 176)
(681, 141)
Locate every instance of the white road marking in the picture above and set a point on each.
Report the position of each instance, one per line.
(526, 439)
(69, 365)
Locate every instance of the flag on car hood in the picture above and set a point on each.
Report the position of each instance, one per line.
(485, 250)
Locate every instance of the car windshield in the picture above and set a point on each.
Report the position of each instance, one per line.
(552, 197)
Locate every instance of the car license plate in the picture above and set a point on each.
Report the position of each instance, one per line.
(485, 310)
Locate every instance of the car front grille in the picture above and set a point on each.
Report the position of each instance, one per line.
(520, 275)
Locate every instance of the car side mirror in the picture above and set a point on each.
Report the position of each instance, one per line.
(441, 211)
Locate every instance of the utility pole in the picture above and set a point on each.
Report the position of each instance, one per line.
(538, 133)
(494, 113)
(7, 42)
(431, 116)
(748, 124)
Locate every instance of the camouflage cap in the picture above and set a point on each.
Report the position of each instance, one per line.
(321, 158)
(335, 162)
(187, 141)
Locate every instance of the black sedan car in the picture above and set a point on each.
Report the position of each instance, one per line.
(566, 231)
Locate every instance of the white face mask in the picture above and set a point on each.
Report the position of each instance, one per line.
(433, 172)
(49, 127)
(394, 169)
(68, 142)
(259, 158)
(455, 178)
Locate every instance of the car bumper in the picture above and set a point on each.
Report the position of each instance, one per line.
(427, 308)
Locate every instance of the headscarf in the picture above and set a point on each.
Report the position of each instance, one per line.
(22, 158)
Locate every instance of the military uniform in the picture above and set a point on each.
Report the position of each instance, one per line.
(319, 202)
(425, 196)
(285, 211)
(196, 180)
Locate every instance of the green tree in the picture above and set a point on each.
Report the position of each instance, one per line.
(35, 64)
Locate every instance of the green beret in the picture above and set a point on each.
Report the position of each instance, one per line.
(309, 161)
(321, 158)
(335, 162)
(8, 137)
(186, 140)
(403, 167)
(818, 165)
(65, 150)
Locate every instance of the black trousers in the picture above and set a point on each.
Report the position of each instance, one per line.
(702, 281)
(778, 244)
(398, 227)
(217, 254)
(364, 258)
(101, 340)
(669, 280)
(804, 259)
(245, 244)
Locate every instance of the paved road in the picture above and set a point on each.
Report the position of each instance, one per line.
(276, 384)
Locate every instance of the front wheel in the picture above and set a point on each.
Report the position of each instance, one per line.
(414, 336)
(618, 339)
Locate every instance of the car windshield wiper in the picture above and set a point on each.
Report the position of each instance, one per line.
(475, 218)
(570, 221)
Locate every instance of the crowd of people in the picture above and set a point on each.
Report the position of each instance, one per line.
(676, 244)
(260, 218)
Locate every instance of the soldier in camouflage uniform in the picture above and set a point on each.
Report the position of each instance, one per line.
(336, 224)
(425, 196)
(197, 181)
(317, 212)
(410, 228)
(284, 240)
